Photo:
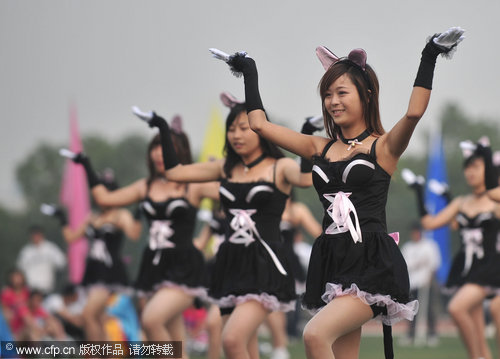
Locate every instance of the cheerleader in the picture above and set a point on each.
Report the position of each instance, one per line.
(171, 268)
(105, 271)
(473, 273)
(251, 276)
(356, 271)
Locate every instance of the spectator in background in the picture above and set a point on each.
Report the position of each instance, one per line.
(39, 261)
(14, 299)
(42, 326)
(423, 259)
(68, 308)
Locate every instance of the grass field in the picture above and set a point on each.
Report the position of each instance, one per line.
(372, 348)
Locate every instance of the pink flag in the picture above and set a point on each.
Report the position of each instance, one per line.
(75, 196)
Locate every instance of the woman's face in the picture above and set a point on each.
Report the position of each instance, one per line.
(342, 102)
(240, 136)
(474, 173)
(157, 158)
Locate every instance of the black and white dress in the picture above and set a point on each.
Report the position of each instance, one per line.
(354, 255)
(105, 266)
(477, 260)
(170, 259)
(251, 263)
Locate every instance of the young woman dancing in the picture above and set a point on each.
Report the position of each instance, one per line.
(251, 276)
(356, 271)
(171, 269)
(105, 271)
(473, 273)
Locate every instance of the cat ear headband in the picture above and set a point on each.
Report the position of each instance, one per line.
(328, 58)
(229, 100)
(176, 125)
(469, 148)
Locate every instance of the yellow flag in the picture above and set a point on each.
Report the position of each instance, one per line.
(213, 142)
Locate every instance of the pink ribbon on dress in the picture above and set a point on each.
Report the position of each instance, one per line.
(339, 211)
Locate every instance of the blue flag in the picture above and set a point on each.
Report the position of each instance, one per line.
(436, 169)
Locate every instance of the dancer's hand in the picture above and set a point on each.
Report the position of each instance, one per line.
(446, 42)
(312, 124)
(411, 178)
(54, 211)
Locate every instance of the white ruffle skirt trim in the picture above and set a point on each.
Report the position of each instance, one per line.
(395, 311)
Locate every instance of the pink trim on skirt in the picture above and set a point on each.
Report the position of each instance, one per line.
(395, 311)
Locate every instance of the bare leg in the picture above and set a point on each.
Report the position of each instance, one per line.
(164, 306)
(240, 330)
(343, 316)
(214, 328)
(276, 321)
(93, 313)
(347, 346)
(495, 313)
(460, 308)
(477, 314)
(177, 332)
(253, 346)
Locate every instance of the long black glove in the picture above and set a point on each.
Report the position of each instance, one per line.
(417, 184)
(167, 146)
(246, 65)
(91, 175)
(444, 43)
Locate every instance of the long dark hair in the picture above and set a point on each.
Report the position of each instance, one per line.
(366, 83)
(232, 158)
(182, 149)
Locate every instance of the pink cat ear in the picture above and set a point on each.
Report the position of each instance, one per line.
(229, 100)
(358, 56)
(176, 124)
(326, 57)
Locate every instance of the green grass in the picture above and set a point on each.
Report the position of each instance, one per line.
(373, 348)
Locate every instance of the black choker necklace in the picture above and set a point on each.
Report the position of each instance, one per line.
(352, 142)
(254, 163)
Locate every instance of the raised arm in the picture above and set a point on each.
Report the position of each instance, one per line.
(174, 171)
(394, 143)
(298, 143)
(57, 212)
(103, 197)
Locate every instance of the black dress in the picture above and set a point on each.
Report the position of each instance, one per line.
(251, 262)
(104, 266)
(354, 255)
(477, 260)
(288, 232)
(171, 259)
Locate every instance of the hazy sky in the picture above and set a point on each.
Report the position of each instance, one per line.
(105, 56)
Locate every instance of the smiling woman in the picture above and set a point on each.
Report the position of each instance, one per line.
(356, 271)
(251, 275)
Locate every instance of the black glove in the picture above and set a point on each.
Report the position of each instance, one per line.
(167, 146)
(91, 175)
(443, 43)
(246, 65)
(417, 184)
(56, 212)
